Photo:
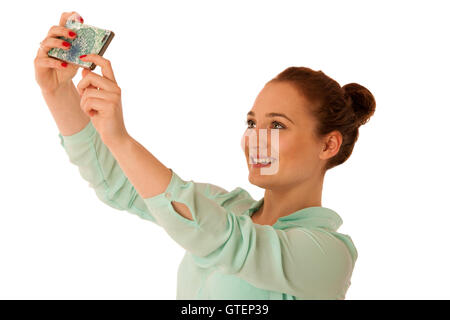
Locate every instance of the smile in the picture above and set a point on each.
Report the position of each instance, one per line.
(262, 161)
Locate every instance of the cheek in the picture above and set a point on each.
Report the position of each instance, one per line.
(295, 151)
(246, 139)
(243, 143)
(288, 150)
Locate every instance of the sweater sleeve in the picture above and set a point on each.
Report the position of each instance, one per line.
(309, 263)
(100, 169)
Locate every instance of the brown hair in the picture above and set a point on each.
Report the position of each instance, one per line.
(335, 107)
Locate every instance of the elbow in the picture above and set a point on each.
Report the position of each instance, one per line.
(120, 197)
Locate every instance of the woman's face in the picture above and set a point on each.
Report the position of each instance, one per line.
(296, 149)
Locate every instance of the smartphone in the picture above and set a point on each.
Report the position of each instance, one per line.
(89, 40)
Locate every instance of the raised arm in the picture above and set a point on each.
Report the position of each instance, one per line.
(55, 79)
(101, 99)
(78, 136)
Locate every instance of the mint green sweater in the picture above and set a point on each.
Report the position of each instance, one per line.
(227, 256)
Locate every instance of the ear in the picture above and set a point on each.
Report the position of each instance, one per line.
(331, 145)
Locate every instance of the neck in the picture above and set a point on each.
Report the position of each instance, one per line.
(282, 202)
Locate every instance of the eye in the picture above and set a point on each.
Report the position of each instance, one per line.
(278, 124)
(248, 122)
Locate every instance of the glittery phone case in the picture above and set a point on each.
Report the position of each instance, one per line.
(89, 40)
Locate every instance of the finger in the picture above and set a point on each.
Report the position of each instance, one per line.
(49, 43)
(93, 80)
(49, 63)
(104, 64)
(73, 15)
(97, 81)
(81, 92)
(95, 104)
(58, 31)
(100, 94)
(85, 72)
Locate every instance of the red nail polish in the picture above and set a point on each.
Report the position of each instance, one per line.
(81, 20)
(64, 64)
(72, 34)
(82, 56)
(66, 44)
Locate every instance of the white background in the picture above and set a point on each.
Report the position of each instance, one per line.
(189, 73)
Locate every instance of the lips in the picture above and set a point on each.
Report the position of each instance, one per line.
(257, 159)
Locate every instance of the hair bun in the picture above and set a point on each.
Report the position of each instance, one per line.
(361, 100)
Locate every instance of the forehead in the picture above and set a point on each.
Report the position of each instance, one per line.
(281, 97)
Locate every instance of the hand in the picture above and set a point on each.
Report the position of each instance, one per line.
(101, 100)
(50, 74)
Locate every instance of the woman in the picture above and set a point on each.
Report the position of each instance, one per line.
(284, 246)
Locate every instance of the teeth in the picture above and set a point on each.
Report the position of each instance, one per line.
(262, 160)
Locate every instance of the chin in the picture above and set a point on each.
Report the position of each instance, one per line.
(262, 180)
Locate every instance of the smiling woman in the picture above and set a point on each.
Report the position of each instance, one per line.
(317, 122)
(283, 246)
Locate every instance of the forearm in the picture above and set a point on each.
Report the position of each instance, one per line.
(146, 173)
(64, 105)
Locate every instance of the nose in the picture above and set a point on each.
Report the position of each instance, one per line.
(255, 141)
(261, 151)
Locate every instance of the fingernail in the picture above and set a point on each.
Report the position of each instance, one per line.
(84, 55)
(72, 34)
(66, 44)
(81, 20)
(64, 64)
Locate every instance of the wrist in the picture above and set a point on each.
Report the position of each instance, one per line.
(62, 88)
(118, 142)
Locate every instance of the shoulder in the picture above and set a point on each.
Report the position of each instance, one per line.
(330, 247)
(321, 262)
(236, 200)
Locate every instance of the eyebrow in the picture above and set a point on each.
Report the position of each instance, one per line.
(272, 114)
